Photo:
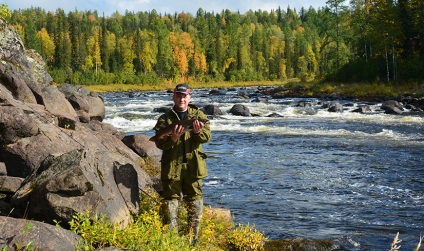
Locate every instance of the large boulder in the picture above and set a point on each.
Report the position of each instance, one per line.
(80, 181)
(392, 107)
(335, 107)
(212, 110)
(151, 156)
(240, 110)
(15, 125)
(32, 142)
(142, 146)
(98, 126)
(15, 233)
(85, 101)
(13, 63)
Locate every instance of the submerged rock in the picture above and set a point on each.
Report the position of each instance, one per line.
(299, 244)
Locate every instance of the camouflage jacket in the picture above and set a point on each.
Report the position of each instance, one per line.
(172, 156)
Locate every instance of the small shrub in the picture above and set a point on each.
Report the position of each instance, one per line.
(323, 88)
(145, 233)
(214, 230)
(246, 238)
(150, 166)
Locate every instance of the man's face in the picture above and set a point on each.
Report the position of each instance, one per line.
(181, 101)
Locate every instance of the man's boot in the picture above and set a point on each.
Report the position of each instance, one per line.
(171, 214)
(195, 209)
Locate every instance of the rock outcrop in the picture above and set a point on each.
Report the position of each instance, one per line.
(57, 157)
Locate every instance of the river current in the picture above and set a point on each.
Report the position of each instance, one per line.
(357, 179)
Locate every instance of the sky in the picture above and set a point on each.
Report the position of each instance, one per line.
(108, 7)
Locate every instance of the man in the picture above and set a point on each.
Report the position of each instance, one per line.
(183, 162)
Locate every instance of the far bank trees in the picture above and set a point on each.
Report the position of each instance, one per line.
(362, 40)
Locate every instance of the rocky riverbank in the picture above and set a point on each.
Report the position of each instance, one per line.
(57, 157)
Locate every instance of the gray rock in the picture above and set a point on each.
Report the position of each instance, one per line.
(84, 100)
(304, 104)
(40, 236)
(10, 184)
(217, 92)
(98, 126)
(79, 181)
(240, 110)
(362, 109)
(212, 110)
(39, 68)
(301, 244)
(392, 107)
(56, 103)
(25, 155)
(3, 170)
(163, 109)
(261, 99)
(142, 146)
(275, 115)
(83, 116)
(15, 125)
(335, 107)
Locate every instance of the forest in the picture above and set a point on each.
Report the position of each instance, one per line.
(344, 41)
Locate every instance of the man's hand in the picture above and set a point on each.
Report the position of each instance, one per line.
(197, 126)
(178, 131)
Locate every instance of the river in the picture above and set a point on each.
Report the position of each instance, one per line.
(357, 179)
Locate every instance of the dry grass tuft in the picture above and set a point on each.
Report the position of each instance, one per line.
(396, 241)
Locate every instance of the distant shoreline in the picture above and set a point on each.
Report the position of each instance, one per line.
(194, 85)
(361, 91)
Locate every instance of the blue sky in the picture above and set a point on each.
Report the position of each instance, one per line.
(162, 6)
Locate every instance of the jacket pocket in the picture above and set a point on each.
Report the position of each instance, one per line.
(201, 170)
(170, 170)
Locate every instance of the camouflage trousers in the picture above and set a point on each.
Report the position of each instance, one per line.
(194, 211)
